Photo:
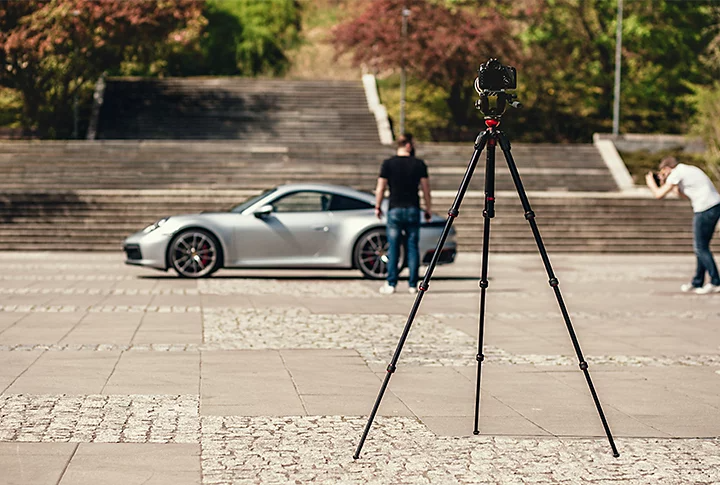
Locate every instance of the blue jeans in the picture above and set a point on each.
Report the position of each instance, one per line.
(703, 228)
(403, 220)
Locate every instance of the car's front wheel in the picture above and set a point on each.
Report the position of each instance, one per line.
(371, 254)
(194, 253)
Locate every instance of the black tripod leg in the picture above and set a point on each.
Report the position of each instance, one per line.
(530, 216)
(425, 284)
(488, 214)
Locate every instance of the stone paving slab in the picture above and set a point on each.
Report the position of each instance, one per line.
(155, 373)
(116, 374)
(77, 373)
(184, 328)
(34, 463)
(14, 364)
(120, 464)
(92, 328)
(248, 384)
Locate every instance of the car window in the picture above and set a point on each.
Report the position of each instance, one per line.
(343, 203)
(251, 201)
(303, 202)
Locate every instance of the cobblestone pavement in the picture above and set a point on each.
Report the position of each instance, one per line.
(94, 353)
(100, 419)
(319, 450)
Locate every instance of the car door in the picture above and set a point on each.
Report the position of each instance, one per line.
(296, 232)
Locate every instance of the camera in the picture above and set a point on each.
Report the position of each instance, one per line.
(493, 76)
(658, 180)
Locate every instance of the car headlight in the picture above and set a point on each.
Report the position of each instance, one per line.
(154, 226)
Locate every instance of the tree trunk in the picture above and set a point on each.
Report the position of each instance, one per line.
(458, 105)
(31, 108)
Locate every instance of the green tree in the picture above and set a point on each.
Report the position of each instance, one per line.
(444, 46)
(241, 37)
(52, 51)
(567, 73)
(706, 100)
(269, 28)
(706, 124)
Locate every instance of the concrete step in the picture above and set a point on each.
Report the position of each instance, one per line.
(236, 108)
(221, 155)
(100, 220)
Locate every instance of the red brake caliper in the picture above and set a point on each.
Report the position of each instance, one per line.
(205, 258)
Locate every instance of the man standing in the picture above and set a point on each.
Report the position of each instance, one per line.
(692, 183)
(403, 174)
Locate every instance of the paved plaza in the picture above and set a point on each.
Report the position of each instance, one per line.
(120, 375)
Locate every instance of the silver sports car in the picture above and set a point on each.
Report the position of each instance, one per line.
(291, 226)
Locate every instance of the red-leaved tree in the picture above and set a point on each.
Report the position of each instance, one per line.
(443, 46)
(52, 51)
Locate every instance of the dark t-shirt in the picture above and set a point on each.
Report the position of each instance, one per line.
(403, 175)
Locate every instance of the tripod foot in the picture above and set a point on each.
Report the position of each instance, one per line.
(476, 432)
(355, 457)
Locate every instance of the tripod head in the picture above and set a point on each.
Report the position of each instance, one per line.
(491, 84)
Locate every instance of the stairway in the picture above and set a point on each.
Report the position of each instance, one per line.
(245, 109)
(232, 165)
(90, 195)
(101, 219)
(597, 223)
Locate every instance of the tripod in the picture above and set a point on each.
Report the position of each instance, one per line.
(489, 138)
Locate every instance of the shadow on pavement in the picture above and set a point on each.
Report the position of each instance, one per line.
(299, 278)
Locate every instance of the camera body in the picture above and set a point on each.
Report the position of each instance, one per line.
(493, 76)
(658, 181)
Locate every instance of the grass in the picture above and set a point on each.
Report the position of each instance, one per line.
(323, 13)
(315, 57)
(425, 107)
(641, 162)
(10, 108)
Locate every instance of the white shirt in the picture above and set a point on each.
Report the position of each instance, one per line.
(696, 186)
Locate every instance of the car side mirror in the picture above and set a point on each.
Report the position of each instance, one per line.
(263, 211)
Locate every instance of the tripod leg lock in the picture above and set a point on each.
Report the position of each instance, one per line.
(391, 369)
(554, 282)
(480, 357)
(484, 283)
(583, 365)
(423, 287)
(529, 215)
(453, 213)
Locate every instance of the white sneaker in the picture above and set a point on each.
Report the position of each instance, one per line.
(412, 290)
(708, 288)
(387, 289)
(687, 287)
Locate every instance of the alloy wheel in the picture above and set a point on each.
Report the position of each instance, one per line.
(194, 254)
(371, 254)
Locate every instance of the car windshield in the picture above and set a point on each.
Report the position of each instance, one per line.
(251, 201)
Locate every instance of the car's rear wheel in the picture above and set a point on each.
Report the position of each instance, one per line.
(194, 253)
(371, 254)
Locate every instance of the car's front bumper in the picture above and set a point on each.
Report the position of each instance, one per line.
(147, 249)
